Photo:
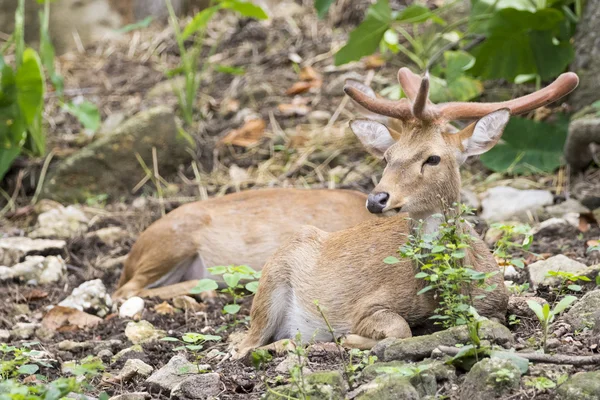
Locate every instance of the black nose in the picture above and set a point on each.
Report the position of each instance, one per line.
(376, 202)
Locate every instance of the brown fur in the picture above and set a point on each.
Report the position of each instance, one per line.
(241, 228)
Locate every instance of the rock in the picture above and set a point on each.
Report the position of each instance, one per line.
(518, 306)
(469, 198)
(109, 165)
(61, 223)
(510, 273)
(142, 332)
(503, 203)
(24, 330)
(490, 378)
(583, 131)
(188, 303)
(132, 396)
(110, 235)
(201, 386)
(538, 270)
(112, 264)
(91, 297)
(389, 388)
(111, 122)
(4, 335)
(135, 351)
(582, 313)
(326, 385)
(581, 386)
(319, 117)
(552, 226)
(420, 347)
(177, 370)
(133, 368)
(39, 269)
(14, 249)
(70, 345)
(105, 355)
(288, 363)
(437, 368)
(321, 351)
(567, 207)
(132, 307)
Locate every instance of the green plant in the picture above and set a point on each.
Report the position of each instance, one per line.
(568, 281)
(513, 320)
(518, 289)
(546, 316)
(508, 243)
(18, 361)
(189, 66)
(192, 342)
(233, 276)
(503, 375)
(439, 258)
(540, 383)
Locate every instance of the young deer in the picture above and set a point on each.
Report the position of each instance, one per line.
(362, 297)
(243, 228)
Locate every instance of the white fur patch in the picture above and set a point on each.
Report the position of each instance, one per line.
(373, 135)
(487, 132)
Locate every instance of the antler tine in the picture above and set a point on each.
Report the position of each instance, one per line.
(410, 82)
(419, 107)
(562, 86)
(395, 109)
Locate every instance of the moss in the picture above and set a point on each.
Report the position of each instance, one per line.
(327, 385)
(582, 386)
(389, 388)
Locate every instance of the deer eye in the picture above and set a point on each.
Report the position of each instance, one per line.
(433, 160)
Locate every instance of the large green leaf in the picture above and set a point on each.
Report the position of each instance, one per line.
(521, 42)
(364, 40)
(322, 6)
(480, 9)
(416, 13)
(245, 8)
(528, 146)
(7, 156)
(30, 86)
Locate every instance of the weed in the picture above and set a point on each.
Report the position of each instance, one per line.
(193, 342)
(503, 375)
(508, 242)
(568, 282)
(518, 289)
(546, 316)
(540, 383)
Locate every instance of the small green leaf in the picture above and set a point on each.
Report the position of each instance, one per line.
(421, 275)
(231, 280)
(574, 288)
(227, 69)
(252, 287)
(245, 8)
(416, 14)
(537, 309)
(28, 369)
(391, 260)
(438, 249)
(232, 308)
(425, 289)
(563, 304)
(204, 285)
(219, 270)
(170, 339)
(138, 25)
(322, 6)
(30, 86)
(200, 20)
(86, 112)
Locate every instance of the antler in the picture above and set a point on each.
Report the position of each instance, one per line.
(418, 106)
(562, 86)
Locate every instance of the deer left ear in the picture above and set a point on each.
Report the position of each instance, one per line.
(483, 134)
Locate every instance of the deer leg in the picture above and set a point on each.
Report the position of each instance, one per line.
(375, 327)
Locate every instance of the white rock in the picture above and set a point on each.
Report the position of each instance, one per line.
(177, 370)
(538, 270)
(198, 386)
(91, 297)
(142, 332)
(135, 367)
(510, 273)
(24, 330)
(567, 207)
(131, 307)
(502, 203)
(4, 335)
(110, 235)
(13, 249)
(38, 269)
(62, 223)
(469, 198)
(552, 225)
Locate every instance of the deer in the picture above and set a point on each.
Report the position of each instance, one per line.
(364, 299)
(176, 251)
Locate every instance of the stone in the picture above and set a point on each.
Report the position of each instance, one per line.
(511, 273)
(552, 226)
(188, 303)
(4, 335)
(112, 264)
(538, 270)
(582, 313)
(437, 368)
(517, 305)
(583, 131)
(135, 351)
(60, 223)
(504, 203)
(14, 249)
(319, 117)
(566, 207)
(469, 198)
(581, 386)
(288, 363)
(132, 396)
(105, 355)
(174, 372)
(71, 345)
(132, 307)
(90, 297)
(142, 332)
(200, 386)
(419, 347)
(110, 235)
(389, 388)
(38, 269)
(490, 378)
(24, 330)
(109, 164)
(325, 385)
(134, 368)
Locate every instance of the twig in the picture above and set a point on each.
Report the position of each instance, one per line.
(541, 358)
(40, 183)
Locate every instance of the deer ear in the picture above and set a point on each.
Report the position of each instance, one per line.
(483, 134)
(363, 111)
(373, 135)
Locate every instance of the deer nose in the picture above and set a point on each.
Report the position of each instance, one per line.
(376, 202)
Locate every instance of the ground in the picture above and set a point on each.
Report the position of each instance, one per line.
(120, 82)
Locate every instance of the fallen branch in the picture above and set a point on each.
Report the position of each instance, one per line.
(541, 358)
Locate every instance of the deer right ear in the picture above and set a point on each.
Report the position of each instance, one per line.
(373, 135)
(482, 135)
(370, 93)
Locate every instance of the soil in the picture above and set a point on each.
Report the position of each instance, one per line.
(118, 77)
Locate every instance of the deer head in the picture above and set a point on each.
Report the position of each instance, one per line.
(422, 154)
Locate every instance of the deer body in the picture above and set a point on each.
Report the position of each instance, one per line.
(241, 228)
(361, 296)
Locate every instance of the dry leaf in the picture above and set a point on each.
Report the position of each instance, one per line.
(164, 308)
(374, 61)
(229, 106)
(290, 110)
(308, 73)
(299, 87)
(584, 224)
(592, 243)
(68, 319)
(35, 294)
(248, 135)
